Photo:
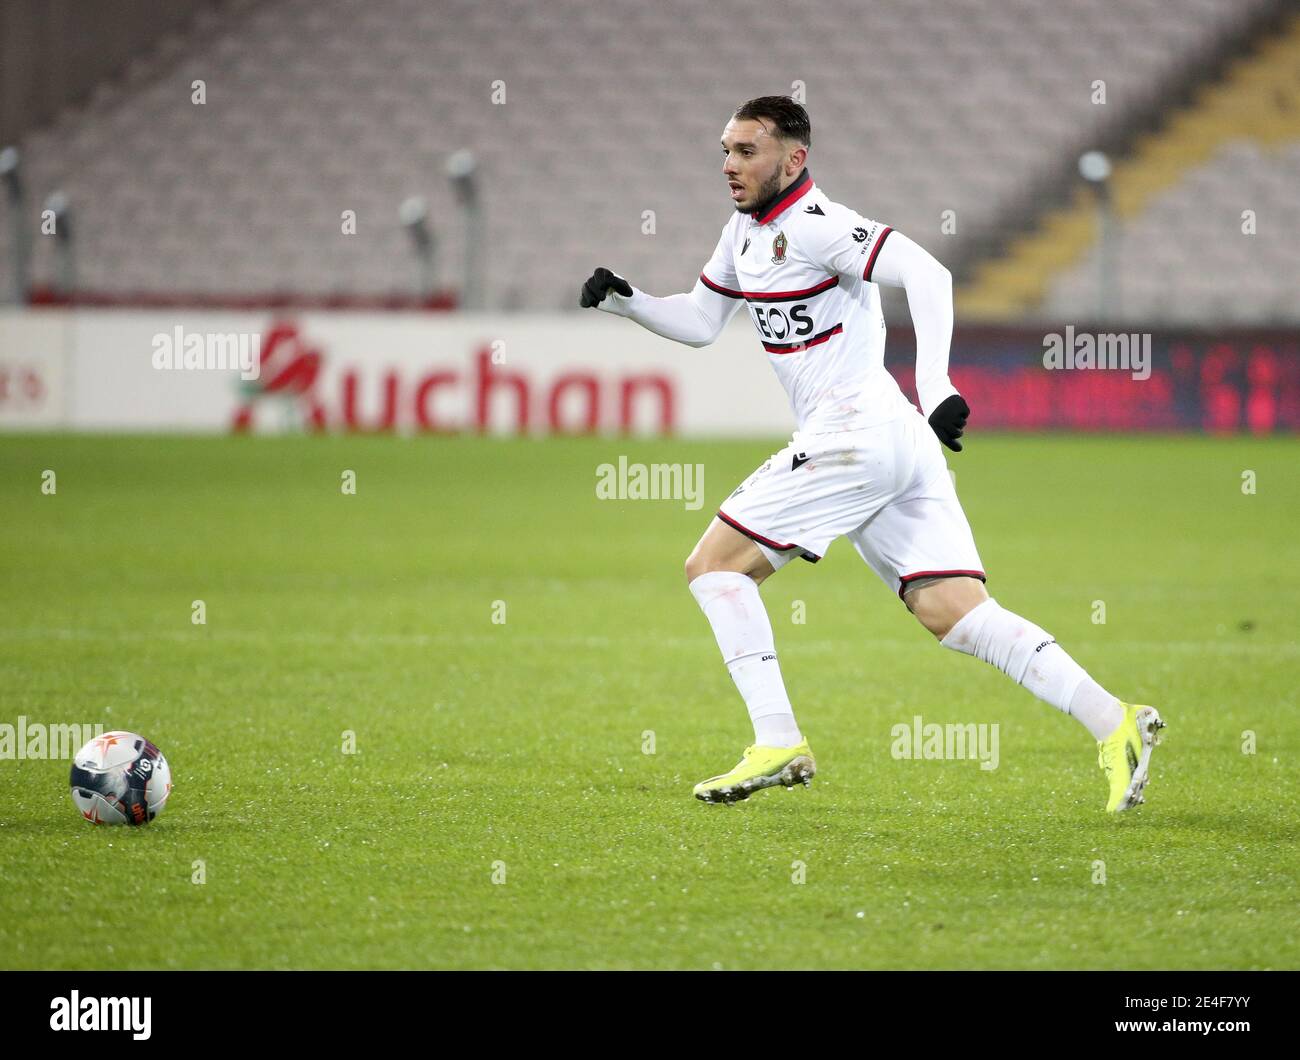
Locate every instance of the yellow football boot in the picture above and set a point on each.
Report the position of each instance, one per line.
(761, 767)
(1125, 755)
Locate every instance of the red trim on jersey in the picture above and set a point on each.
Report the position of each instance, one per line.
(795, 347)
(719, 288)
(871, 261)
(777, 296)
(902, 582)
(750, 533)
(802, 186)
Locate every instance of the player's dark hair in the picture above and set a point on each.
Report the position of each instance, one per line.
(789, 117)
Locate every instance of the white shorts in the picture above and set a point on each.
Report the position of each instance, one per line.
(886, 488)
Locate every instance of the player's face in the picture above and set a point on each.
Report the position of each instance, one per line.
(754, 163)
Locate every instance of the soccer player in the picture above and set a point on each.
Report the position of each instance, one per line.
(862, 463)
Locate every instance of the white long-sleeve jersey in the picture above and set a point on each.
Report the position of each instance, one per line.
(807, 269)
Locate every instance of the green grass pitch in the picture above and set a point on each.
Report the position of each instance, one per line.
(501, 811)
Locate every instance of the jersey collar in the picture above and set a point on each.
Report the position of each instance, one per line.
(802, 186)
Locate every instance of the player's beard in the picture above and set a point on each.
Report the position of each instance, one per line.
(767, 193)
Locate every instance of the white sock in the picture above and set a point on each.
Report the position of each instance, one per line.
(1096, 708)
(731, 603)
(1031, 657)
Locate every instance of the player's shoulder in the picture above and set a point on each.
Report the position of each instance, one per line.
(824, 218)
(819, 212)
(819, 204)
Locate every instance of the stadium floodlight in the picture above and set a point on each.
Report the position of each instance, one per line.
(58, 205)
(462, 170)
(461, 167)
(414, 215)
(65, 260)
(9, 169)
(1094, 167)
(11, 175)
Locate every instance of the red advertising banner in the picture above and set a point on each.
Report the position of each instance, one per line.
(1154, 381)
(573, 373)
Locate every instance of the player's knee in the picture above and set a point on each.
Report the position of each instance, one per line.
(697, 563)
(940, 603)
(935, 618)
(704, 562)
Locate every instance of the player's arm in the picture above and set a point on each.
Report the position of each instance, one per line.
(695, 318)
(900, 262)
(854, 246)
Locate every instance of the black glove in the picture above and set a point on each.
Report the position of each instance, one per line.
(949, 420)
(601, 283)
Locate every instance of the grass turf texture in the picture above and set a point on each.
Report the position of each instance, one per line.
(521, 743)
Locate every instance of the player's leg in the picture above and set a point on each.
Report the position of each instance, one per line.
(722, 549)
(1126, 733)
(954, 597)
(753, 535)
(962, 616)
(814, 490)
(723, 572)
(924, 540)
(921, 545)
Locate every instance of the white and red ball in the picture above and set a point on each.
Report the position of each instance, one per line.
(120, 778)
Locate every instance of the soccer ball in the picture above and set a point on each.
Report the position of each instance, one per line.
(120, 778)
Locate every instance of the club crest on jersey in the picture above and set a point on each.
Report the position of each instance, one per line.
(778, 248)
